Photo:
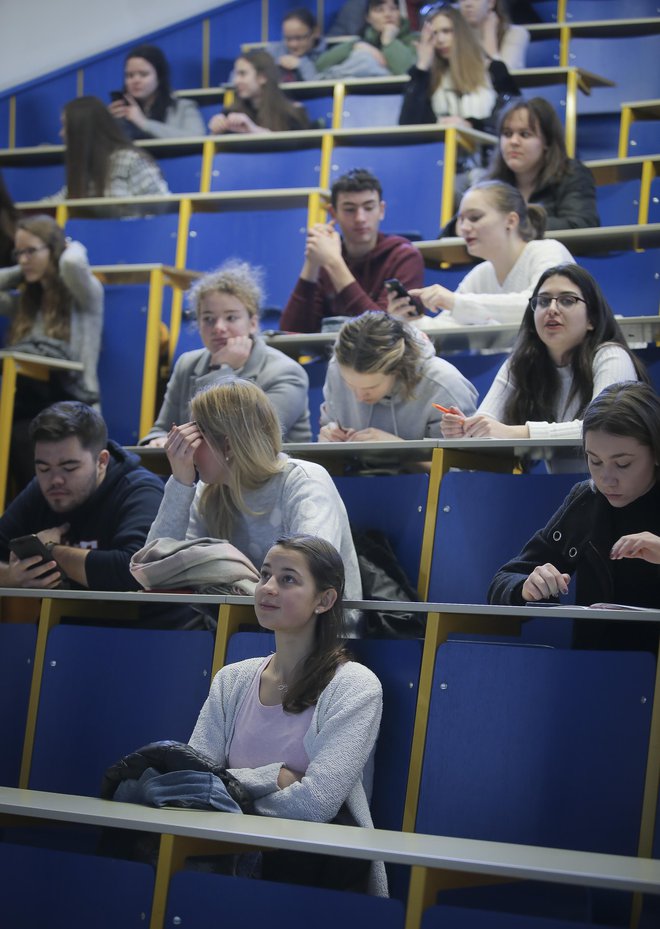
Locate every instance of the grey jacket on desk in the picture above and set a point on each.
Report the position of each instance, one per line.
(182, 120)
(406, 417)
(86, 309)
(340, 745)
(280, 377)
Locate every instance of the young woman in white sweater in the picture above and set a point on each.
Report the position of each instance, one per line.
(507, 233)
(298, 728)
(569, 348)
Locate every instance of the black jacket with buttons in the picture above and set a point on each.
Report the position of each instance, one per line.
(577, 541)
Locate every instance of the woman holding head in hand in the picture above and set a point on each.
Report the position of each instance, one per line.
(607, 531)
(569, 348)
(248, 491)
(382, 382)
(298, 728)
(494, 31)
(226, 303)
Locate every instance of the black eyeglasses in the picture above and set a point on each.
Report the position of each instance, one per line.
(563, 301)
(19, 253)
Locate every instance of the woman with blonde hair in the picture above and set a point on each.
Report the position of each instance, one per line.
(382, 383)
(226, 303)
(248, 491)
(498, 37)
(452, 83)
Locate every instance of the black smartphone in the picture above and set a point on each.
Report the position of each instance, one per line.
(26, 546)
(394, 285)
(118, 95)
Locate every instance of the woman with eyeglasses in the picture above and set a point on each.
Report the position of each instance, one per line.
(55, 305)
(507, 234)
(606, 534)
(300, 46)
(569, 348)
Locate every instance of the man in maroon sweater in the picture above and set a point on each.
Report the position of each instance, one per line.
(344, 276)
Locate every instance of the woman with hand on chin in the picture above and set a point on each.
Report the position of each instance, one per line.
(248, 492)
(607, 531)
(226, 303)
(147, 108)
(501, 229)
(569, 348)
(298, 728)
(260, 105)
(498, 37)
(382, 383)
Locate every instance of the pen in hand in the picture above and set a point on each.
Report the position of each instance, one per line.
(444, 409)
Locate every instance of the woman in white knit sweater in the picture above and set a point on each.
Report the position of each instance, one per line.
(507, 233)
(569, 348)
(298, 728)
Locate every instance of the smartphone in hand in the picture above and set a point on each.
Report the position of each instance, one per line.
(27, 546)
(394, 286)
(116, 95)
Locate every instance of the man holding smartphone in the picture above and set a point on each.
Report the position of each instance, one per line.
(90, 504)
(345, 275)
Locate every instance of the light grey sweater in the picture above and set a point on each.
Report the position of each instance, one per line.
(86, 308)
(182, 120)
(340, 744)
(301, 498)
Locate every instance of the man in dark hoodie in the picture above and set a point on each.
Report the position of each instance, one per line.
(91, 504)
(344, 276)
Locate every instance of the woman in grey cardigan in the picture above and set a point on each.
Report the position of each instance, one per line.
(226, 304)
(298, 728)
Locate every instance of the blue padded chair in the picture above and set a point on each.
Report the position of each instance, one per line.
(402, 520)
(371, 109)
(537, 746)
(651, 358)
(134, 240)
(406, 208)
(38, 108)
(396, 664)
(270, 236)
(122, 350)
(654, 205)
(199, 900)
(615, 271)
(261, 170)
(598, 135)
(618, 204)
(231, 25)
(32, 182)
(644, 137)
(584, 10)
(183, 173)
(483, 520)
(106, 692)
(611, 57)
(542, 53)
(316, 371)
(17, 643)
(64, 890)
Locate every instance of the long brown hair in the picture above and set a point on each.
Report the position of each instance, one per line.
(328, 651)
(274, 110)
(466, 64)
(533, 371)
(544, 121)
(49, 296)
(92, 137)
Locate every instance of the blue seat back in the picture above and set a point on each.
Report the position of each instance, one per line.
(458, 917)
(64, 890)
(371, 109)
(644, 138)
(17, 643)
(261, 170)
(618, 204)
(316, 371)
(396, 664)
(615, 270)
(475, 533)
(272, 237)
(479, 369)
(183, 173)
(402, 519)
(32, 182)
(537, 746)
(611, 58)
(106, 692)
(196, 899)
(405, 209)
(135, 240)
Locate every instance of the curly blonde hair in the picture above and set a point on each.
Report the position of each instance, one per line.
(236, 278)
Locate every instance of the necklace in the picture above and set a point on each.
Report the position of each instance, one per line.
(282, 687)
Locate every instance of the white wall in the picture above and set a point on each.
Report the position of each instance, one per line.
(41, 35)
